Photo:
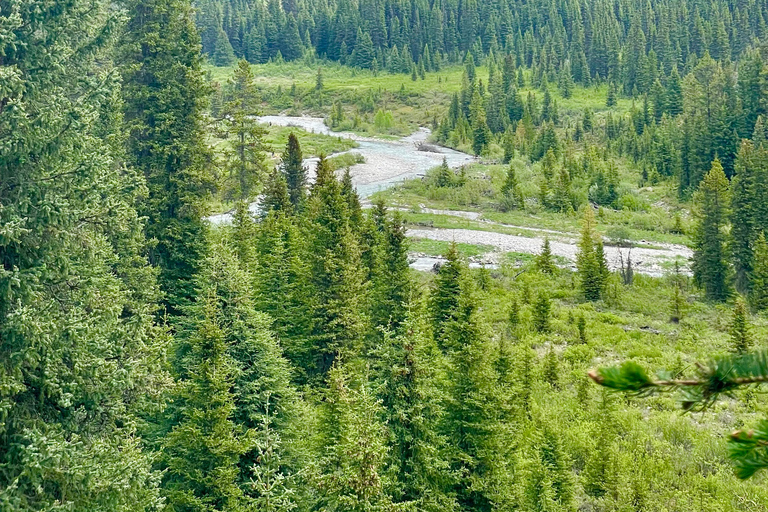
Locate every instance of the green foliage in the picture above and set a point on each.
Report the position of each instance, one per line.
(758, 296)
(710, 266)
(244, 159)
(354, 447)
(741, 338)
(202, 451)
(541, 312)
(82, 362)
(590, 260)
(162, 79)
(294, 171)
(544, 262)
(452, 303)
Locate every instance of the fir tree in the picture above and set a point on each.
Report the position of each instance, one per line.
(544, 261)
(710, 267)
(82, 362)
(354, 449)
(412, 375)
(162, 79)
(581, 326)
(741, 337)
(541, 312)
(452, 303)
(245, 156)
(513, 196)
(223, 54)
(295, 172)
(471, 422)
(337, 275)
(590, 260)
(203, 450)
(275, 197)
(551, 369)
(758, 295)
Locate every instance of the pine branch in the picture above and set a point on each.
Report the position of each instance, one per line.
(723, 375)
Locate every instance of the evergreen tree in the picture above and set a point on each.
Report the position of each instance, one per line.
(513, 195)
(338, 277)
(551, 369)
(82, 362)
(611, 99)
(590, 260)
(411, 371)
(581, 326)
(294, 171)
(162, 79)
(203, 450)
(245, 156)
(710, 266)
(352, 477)
(741, 337)
(452, 303)
(275, 197)
(363, 54)
(544, 261)
(550, 486)
(393, 282)
(541, 312)
(471, 422)
(223, 54)
(758, 295)
(748, 209)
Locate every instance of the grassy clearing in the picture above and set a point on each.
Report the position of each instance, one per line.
(290, 88)
(482, 193)
(439, 248)
(346, 160)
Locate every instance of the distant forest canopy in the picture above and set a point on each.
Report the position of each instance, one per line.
(624, 41)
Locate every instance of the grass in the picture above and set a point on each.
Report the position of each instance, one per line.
(363, 93)
(346, 160)
(312, 144)
(439, 248)
(481, 193)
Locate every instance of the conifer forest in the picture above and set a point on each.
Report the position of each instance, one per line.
(383, 255)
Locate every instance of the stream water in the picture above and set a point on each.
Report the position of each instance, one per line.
(387, 162)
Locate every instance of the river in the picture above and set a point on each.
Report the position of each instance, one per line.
(387, 162)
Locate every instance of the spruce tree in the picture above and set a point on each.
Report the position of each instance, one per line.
(471, 423)
(275, 197)
(245, 155)
(513, 195)
(203, 450)
(551, 369)
(411, 372)
(338, 277)
(741, 337)
(162, 79)
(581, 326)
(451, 301)
(758, 295)
(223, 54)
(541, 312)
(295, 172)
(710, 266)
(352, 474)
(81, 359)
(544, 261)
(266, 404)
(590, 260)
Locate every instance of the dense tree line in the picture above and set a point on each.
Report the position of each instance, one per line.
(627, 42)
(291, 360)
